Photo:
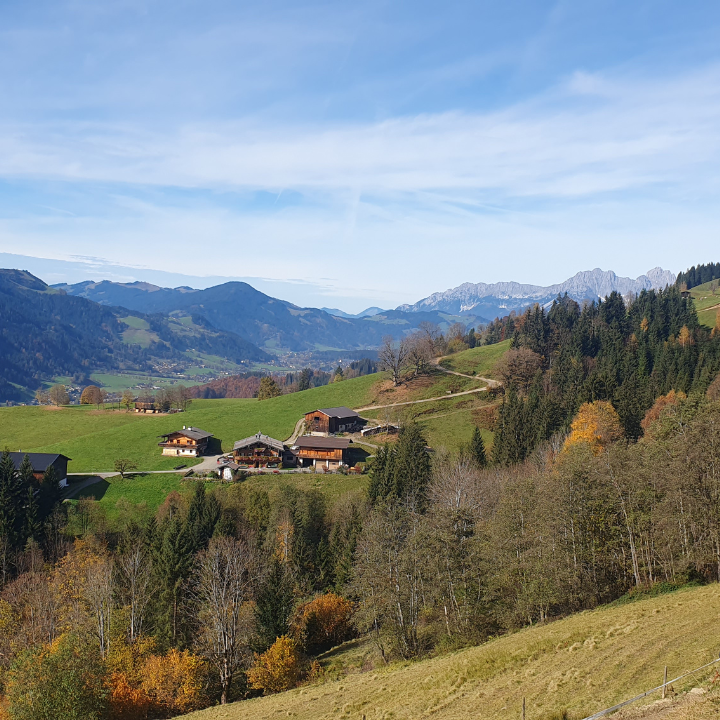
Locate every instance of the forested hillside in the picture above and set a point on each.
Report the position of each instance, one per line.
(46, 333)
(261, 319)
(604, 351)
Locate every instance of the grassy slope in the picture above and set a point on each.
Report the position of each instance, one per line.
(478, 361)
(704, 300)
(582, 664)
(151, 490)
(95, 438)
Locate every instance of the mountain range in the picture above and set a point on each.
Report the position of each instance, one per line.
(498, 299)
(272, 324)
(47, 333)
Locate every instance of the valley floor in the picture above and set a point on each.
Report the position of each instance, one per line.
(578, 665)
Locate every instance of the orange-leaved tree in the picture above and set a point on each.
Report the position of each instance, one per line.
(278, 668)
(176, 681)
(597, 424)
(661, 407)
(323, 623)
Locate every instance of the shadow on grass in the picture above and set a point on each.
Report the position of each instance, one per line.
(96, 491)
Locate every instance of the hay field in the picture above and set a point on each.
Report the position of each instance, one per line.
(578, 665)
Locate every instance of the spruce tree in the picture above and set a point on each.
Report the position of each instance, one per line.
(476, 449)
(274, 605)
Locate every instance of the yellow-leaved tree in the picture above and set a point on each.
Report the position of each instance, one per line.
(278, 668)
(597, 424)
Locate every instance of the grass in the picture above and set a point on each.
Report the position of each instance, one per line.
(704, 301)
(118, 497)
(578, 666)
(477, 361)
(94, 439)
(118, 383)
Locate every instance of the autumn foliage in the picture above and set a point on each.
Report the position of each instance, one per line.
(323, 623)
(596, 424)
(661, 406)
(279, 668)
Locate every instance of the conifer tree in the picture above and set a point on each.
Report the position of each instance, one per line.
(274, 605)
(477, 449)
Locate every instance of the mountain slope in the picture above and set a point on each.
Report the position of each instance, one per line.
(47, 333)
(581, 664)
(261, 319)
(501, 298)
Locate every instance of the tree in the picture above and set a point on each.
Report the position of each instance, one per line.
(127, 400)
(277, 669)
(175, 682)
(134, 586)
(63, 680)
(322, 623)
(419, 352)
(58, 395)
(268, 388)
(224, 586)
(11, 513)
(92, 395)
(596, 424)
(518, 367)
(304, 380)
(392, 356)
(124, 465)
(42, 396)
(181, 397)
(274, 604)
(476, 449)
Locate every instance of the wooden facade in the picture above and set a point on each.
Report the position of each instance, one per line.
(325, 452)
(188, 442)
(146, 407)
(327, 421)
(261, 451)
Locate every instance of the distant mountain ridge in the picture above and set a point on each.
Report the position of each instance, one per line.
(265, 321)
(368, 312)
(497, 299)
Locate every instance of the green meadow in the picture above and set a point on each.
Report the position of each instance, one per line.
(707, 304)
(477, 361)
(94, 439)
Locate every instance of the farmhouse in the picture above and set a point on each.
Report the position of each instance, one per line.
(41, 462)
(188, 442)
(325, 452)
(331, 420)
(146, 407)
(261, 450)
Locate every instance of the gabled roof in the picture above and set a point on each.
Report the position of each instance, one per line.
(259, 438)
(337, 412)
(40, 461)
(323, 443)
(192, 432)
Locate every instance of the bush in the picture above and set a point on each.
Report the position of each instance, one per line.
(323, 623)
(278, 668)
(63, 681)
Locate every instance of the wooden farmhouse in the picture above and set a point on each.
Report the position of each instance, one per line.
(261, 451)
(41, 462)
(327, 421)
(188, 442)
(327, 452)
(146, 407)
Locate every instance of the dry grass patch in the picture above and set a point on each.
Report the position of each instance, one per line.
(578, 665)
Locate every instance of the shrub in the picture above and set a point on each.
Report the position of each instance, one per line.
(278, 668)
(322, 623)
(63, 681)
(175, 682)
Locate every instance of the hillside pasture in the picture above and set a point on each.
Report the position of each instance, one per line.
(570, 668)
(477, 361)
(707, 304)
(94, 439)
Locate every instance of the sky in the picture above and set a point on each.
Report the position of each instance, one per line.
(352, 154)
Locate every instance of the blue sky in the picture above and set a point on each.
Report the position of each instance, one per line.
(354, 154)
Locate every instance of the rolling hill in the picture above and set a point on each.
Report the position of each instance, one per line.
(47, 333)
(566, 669)
(266, 321)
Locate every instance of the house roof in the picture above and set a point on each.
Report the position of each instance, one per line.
(40, 461)
(259, 438)
(338, 412)
(192, 432)
(322, 443)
